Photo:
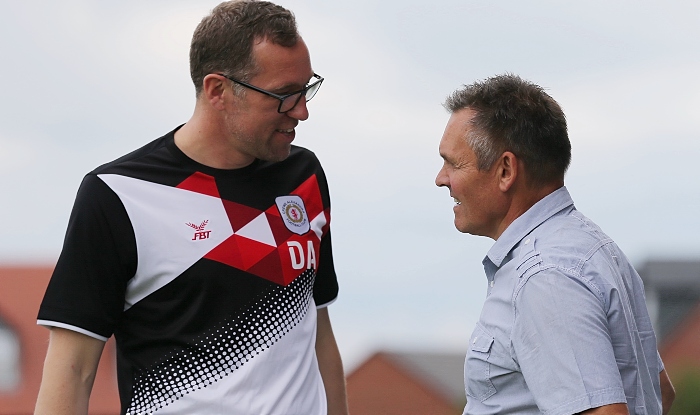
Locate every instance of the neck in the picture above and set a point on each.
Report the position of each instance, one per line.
(521, 201)
(205, 140)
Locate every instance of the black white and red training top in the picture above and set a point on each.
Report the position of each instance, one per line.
(209, 280)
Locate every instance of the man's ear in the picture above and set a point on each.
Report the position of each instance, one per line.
(507, 171)
(213, 88)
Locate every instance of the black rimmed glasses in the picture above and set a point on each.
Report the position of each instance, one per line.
(287, 101)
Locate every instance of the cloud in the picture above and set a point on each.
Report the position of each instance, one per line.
(14, 154)
(635, 108)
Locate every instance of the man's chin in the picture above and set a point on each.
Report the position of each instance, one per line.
(278, 155)
(465, 228)
(460, 227)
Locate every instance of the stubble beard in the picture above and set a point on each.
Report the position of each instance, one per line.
(261, 149)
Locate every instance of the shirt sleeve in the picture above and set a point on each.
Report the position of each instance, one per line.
(326, 283)
(86, 290)
(562, 343)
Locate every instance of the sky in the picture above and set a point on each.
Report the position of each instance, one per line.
(84, 81)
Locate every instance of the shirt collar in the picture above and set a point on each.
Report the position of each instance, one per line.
(544, 209)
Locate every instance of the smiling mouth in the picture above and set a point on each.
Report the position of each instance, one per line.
(287, 131)
(457, 202)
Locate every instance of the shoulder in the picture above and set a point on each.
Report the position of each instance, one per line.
(148, 149)
(568, 246)
(568, 240)
(301, 162)
(298, 153)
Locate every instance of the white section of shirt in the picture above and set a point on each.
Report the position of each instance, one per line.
(283, 379)
(318, 223)
(258, 230)
(166, 244)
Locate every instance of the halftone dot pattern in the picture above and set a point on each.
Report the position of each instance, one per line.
(219, 352)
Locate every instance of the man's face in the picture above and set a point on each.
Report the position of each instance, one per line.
(255, 127)
(477, 198)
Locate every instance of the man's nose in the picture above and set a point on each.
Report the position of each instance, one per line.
(300, 111)
(441, 178)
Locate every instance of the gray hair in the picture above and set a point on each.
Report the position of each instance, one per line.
(517, 116)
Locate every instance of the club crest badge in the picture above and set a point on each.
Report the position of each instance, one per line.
(293, 213)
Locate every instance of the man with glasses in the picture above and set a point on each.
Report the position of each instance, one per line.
(207, 253)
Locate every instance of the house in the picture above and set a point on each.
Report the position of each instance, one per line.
(672, 289)
(681, 348)
(408, 384)
(23, 346)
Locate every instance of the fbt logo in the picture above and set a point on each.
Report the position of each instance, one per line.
(302, 258)
(199, 232)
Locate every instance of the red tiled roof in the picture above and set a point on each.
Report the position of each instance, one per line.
(382, 386)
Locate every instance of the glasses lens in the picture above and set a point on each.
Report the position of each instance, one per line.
(313, 89)
(290, 102)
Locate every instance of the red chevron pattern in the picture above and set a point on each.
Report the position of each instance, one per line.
(261, 244)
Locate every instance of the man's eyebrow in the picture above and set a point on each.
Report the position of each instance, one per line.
(283, 89)
(291, 87)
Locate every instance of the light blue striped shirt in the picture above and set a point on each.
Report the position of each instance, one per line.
(564, 327)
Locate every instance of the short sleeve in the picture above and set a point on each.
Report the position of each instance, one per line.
(562, 343)
(326, 283)
(86, 290)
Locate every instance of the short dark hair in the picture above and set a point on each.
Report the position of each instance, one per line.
(223, 40)
(516, 115)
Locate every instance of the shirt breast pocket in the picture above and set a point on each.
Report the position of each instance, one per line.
(477, 369)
